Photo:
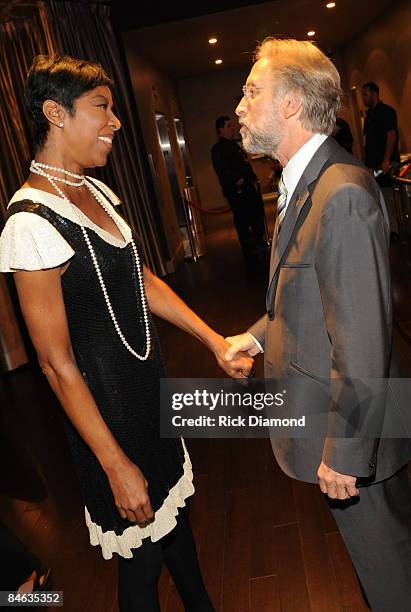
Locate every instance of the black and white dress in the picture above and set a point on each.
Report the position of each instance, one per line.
(43, 231)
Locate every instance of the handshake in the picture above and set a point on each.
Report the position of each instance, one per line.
(235, 354)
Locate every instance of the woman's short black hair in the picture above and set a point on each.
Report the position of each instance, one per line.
(62, 79)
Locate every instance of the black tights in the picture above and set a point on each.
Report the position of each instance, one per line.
(138, 577)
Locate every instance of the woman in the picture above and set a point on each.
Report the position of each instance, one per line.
(87, 299)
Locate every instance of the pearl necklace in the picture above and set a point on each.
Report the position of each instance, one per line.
(40, 169)
(80, 178)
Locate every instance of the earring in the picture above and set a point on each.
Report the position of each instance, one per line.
(61, 124)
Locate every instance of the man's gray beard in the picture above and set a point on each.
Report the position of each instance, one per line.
(256, 144)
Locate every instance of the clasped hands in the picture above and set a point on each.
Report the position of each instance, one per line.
(235, 355)
(332, 483)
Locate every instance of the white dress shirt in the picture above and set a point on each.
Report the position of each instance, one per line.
(294, 170)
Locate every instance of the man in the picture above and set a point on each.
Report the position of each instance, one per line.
(238, 183)
(381, 144)
(328, 306)
(343, 135)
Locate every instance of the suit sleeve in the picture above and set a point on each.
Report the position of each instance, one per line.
(258, 330)
(352, 268)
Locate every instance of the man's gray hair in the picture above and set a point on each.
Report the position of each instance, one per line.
(301, 67)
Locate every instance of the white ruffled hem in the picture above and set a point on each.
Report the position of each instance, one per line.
(164, 520)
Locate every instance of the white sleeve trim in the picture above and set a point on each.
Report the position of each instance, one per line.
(29, 242)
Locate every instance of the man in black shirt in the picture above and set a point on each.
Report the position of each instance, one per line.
(342, 134)
(381, 144)
(238, 183)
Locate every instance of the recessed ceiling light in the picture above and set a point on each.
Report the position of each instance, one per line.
(330, 5)
(219, 61)
(311, 33)
(212, 41)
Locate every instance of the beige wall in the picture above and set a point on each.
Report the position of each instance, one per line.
(382, 53)
(204, 98)
(155, 92)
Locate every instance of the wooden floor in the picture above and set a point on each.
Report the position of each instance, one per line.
(266, 543)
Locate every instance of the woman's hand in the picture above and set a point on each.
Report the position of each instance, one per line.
(129, 489)
(239, 366)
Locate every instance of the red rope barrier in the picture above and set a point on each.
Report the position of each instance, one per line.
(213, 211)
(404, 170)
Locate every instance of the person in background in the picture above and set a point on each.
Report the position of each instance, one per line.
(343, 135)
(21, 570)
(239, 186)
(381, 145)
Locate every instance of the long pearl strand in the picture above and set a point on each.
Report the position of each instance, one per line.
(40, 169)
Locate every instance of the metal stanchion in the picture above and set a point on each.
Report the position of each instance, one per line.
(189, 229)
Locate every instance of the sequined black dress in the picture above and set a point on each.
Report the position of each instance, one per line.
(125, 389)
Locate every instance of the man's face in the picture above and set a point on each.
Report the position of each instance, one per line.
(228, 131)
(369, 98)
(262, 126)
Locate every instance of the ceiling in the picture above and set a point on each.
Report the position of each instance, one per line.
(14, 9)
(180, 48)
(129, 16)
(17, 9)
(174, 35)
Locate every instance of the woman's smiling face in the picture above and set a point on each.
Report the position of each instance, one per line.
(89, 132)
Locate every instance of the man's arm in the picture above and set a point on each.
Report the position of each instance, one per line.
(390, 128)
(166, 304)
(389, 149)
(353, 274)
(228, 165)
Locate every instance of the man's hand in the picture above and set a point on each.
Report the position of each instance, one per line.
(238, 366)
(241, 343)
(385, 165)
(336, 485)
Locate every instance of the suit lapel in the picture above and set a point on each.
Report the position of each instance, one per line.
(293, 212)
(320, 160)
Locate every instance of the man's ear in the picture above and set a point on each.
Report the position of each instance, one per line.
(292, 103)
(54, 112)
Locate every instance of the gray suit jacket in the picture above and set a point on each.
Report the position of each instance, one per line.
(329, 306)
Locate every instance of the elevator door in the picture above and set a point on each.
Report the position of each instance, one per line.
(182, 144)
(164, 139)
(190, 194)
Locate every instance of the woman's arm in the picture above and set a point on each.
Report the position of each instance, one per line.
(166, 304)
(43, 309)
